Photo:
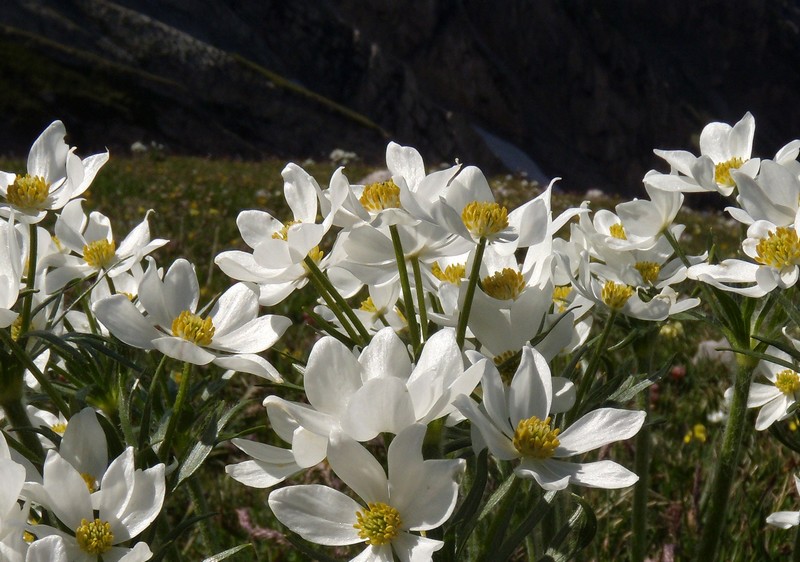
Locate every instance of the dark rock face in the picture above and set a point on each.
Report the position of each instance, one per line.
(586, 90)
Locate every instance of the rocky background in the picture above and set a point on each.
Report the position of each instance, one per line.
(580, 89)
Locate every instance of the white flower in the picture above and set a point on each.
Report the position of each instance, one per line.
(93, 241)
(515, 424)
(55, 176)
(777, 398)
(128, 501)
(722, 149)
(418, 495)
(10, 271)
(231, 335)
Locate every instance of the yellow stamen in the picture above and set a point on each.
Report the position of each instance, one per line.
(379, 196)
(316, 256)
(560, 295)
(649, 271)
(100, 254)
(452, 274)
(780, 248)
(59, 427)
(28, 537)
(91, 481)
(16, 328)
(697, 433)
(534, 438)
(788, 382)
(193, 328)
(507, 284)
(94, 537)
(484, 219)
(617, 231)
(283, 233)
(722, 171)
(379, 523)
(28, 192)
(368, 306)
(615, 295)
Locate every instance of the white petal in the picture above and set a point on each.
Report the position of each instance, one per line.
(84, 444)
(386, 355)
(332, 376)
(317, 513)
(357, 468)
(124, 320)
(413, 548)
(381, 405)
(183, 350)
(784, 519)
(249, 363)
(499, 444)
(531, 391)
(598, 428)
(602, 474)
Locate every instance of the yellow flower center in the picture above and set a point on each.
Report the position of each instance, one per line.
(507, 284)
(649, 271)
(452, 274)
(379, 523)
(100, 254)
(722, 171)
(28, 537)
(316, 256)
(59, 427)
(28, 192)
(283, 233)
(193, 328)
(534, 438)
(788, 382)
(560, 295)
(368, 306)
(91, 481)
(484, 219)
(379, 196)
(94, 537)
(615, 295)
(618, 231)
(16, 328)
(780, 248)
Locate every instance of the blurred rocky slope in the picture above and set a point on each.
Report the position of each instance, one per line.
(582, 90)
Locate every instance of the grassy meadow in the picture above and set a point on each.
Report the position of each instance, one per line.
(195, 203)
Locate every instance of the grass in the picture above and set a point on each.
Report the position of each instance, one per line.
(195, 202)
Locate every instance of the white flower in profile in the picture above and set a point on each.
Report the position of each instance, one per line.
(231, 335)
(773, 196)
(777, 398)
(786, 519)
(722, 149)
(10, 271)
(776, 253)
(417, 496)
(127, 502)
(92, 239)
(516, 424)
(55, 176)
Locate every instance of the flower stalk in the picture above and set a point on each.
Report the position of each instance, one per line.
(474, 276)
(405, 286)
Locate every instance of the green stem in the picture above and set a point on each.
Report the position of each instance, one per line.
(44, 382)
(321, 280)
(331, 302)
(591, 370)
(500, 523)
(728, 461)
(177, 410)
(30, 279)
(408, 299)
(474, 275)
(18, 416)
(423, 310)
(644, 350)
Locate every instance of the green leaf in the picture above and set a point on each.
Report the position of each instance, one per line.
(468, 511)
(576, 535)
(526, 526)
(227, 553)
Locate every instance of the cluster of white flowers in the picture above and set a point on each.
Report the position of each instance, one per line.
(463, 307)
